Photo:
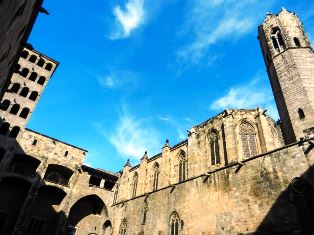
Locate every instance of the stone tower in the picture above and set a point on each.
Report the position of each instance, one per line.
(27, 84)
(289, 59)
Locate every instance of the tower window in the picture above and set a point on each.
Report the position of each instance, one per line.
(24, 113)
(248, 140)
(24, 54)
(214, 147)
(301, 113)
(33, 76)
(5, 105)
(41, 62)
(48, 66)
(41, 80)
(24, 91)
(33, 96)
(4, 128)
(33, 58)
(34, 142)
(24, 72)
(15, 88)
(297, 42)
(14, 132)
(15, 109)
(277, 40)
(66, 153)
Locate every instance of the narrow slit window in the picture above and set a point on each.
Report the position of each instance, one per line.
(301, 113)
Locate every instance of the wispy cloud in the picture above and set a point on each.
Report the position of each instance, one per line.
(133, 136)
(180, 126)
(117, 79)
(250, 95)
(128, 18)
(213, 21)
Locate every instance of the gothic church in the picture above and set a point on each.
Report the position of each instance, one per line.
(239, 172)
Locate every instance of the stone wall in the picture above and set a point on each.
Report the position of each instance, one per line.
(251, 199)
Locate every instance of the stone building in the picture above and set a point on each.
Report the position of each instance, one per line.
(239, 172)
(16, 22)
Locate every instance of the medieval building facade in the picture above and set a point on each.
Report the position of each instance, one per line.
(239, 172)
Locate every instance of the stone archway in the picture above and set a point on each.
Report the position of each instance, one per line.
(86, 215)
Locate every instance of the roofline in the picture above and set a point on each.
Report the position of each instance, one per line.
(71, 145)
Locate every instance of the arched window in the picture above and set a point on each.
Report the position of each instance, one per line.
(15, 87)
(123, 226)
(33, 58)
(24, 91)
(24, 54)
(214, 147)
(277, 40)
(248, 140)
(4, 128)
(15, 109)
(175, 224)
(48, 66)
(14, 132)
(24, 113)
(182, 166)
(156, 174)
(301, 113)
(296, 42)
(41, 62)
(5, 105)
(41, 80)
(33, 76)
(135, 181)
(33, 96)
(24, 72)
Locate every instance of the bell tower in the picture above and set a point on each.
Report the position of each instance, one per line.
(289, 60)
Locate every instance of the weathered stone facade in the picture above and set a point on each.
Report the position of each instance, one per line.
(232, 175)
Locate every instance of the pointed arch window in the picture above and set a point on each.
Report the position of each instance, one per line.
(214, 147)
(135, 181)
(24, 72)
(14, 132)
(277, 39)
(115, 196)
(123, 227)
(182, 166)
(24, 54)
(48, 66)
(248, 139)
(33, 58)
(156, 176)
(175, 224)
(41, 80)
(145, 209)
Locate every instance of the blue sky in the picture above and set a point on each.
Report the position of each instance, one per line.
(134, 73)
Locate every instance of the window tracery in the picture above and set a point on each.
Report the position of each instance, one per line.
(248, 139)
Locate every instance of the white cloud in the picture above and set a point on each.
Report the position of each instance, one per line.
(132, 137)
(108, 81)
(128, 19)
(255, 93)
(213, 21)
